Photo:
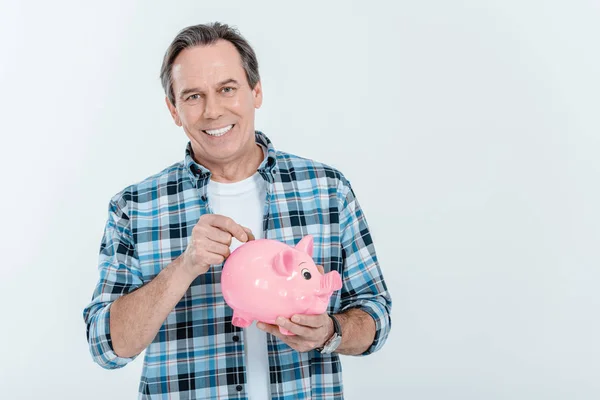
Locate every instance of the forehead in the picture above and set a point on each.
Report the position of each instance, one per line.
(203, 66)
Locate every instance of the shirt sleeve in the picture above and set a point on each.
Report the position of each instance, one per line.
(120, 274)
(364, 286)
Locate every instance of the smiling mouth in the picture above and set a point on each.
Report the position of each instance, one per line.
(219, 132)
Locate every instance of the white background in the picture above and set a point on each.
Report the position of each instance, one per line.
(469, 129)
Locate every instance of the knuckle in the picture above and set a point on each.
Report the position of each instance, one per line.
(198, 231)
(210, 245)
(199, 245)
(212, 262)
(230, 226)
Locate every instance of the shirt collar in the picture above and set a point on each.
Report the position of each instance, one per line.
(199, 173)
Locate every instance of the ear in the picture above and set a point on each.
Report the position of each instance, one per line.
(258, 95)
(306, 245)
(283, 263)
(173, 111)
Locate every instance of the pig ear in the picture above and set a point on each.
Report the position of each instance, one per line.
(283, 263)
(306, 245)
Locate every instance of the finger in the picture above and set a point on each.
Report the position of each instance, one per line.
(216, 248)
(321, 270)
(299, 330)
(218, 235)
(249, 232)
(228, 225)
(295, 342)
(213, 259)
(272, 329)
(268, 328)
(313, 321)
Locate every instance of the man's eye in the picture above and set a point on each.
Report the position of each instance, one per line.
(194, 97)
(228, 89)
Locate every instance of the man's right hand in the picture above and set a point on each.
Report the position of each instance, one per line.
(136, 317)
(210, 242)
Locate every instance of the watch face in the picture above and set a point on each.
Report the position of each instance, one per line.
(336, 342)
(333, 344)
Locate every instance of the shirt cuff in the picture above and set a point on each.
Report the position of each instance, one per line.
(382, 323)
(101, 343)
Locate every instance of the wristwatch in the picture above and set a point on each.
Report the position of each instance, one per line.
(334, 341)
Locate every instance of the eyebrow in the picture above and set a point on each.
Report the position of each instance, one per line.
(184, 92)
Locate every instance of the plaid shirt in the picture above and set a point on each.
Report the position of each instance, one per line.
(198, 353)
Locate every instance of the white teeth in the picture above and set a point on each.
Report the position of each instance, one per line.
(219, 132)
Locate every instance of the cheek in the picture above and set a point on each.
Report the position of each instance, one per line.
(189, 115)
(306, 286)
(313, 284)
(236, 102)
(235, 106)
(242, 106)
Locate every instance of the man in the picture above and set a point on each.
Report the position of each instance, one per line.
(167, 237)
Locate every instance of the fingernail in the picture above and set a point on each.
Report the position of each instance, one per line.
(279, 321)
(296, 318)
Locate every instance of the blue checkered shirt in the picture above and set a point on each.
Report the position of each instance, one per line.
(198, 353)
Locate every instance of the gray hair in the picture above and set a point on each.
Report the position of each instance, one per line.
(204, 35)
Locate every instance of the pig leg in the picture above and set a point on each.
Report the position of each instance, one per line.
(239, 320)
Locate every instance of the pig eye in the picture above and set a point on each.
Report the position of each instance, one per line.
(306, 274)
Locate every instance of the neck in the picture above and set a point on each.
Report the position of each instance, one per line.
(239, 169)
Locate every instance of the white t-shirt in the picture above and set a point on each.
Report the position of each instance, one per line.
(244, 202)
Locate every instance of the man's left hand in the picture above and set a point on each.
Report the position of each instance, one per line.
(310, 331)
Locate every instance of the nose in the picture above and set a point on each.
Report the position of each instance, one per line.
(212, 108)
(331, 281)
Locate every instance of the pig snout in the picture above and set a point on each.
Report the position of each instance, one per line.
(330, 282)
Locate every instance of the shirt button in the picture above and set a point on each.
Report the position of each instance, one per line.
(203, 198)
(238, 388)
(236, 338)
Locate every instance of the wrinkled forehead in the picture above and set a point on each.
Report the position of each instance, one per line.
(206, 66)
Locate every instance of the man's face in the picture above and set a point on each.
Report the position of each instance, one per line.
(214, 102)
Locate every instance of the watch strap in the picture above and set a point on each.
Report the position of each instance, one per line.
(337, 333)
(337, 328)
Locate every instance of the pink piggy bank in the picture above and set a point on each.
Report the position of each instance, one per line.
(263, 279)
